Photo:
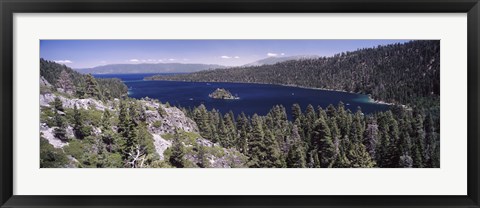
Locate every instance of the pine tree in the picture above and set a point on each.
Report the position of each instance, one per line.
(336, 138)
(79, 128)
(418, 140)
(65, 83)
(296, 112)
(80, 92)
(357, 127)
(126, 129)
(371, 136)
(388, 152)
(132, 135)
(123, 119)
(59, 132)
(144, 139)
(256, 147)
(296, 151)
(432, 159)
(273, 157)
(178, 152)
(242, 139)
(91, 88)
(310, 114)
(223, 134)
(108, 136)
(360, 158)
(331, 111)
(202, 156)
(230, 129)
(322, 141)
(406, 161)
(133, 112)
(202, 118)
(106, 123)
(309, 122)
(58, 105)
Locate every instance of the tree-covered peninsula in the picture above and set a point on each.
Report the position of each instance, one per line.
(407, 73)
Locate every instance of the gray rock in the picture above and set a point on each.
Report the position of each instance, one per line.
(47, 133)
(160, 145)
(88, 103)
(44, 82)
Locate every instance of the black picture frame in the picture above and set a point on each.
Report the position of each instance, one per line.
(9, 7)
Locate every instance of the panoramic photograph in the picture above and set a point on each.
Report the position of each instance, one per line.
(239, 103)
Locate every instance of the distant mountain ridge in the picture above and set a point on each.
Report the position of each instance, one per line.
(274, 60)
(148, 68)
(401, 73)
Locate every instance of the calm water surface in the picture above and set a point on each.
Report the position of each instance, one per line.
(254, 98)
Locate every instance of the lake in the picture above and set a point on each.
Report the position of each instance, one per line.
(254, 98)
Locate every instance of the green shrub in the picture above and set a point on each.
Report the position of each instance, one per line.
(160, 164)
(189, 138)
(157, 124)
(75, 148)
(50, 157)
(46, 116)
(216, 151)
(167, 153)
(94, 117)
(45, 89)
(113, 160)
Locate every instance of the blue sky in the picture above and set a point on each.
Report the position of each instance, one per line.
(90, 53)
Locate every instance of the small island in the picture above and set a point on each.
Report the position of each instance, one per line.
(223, 94)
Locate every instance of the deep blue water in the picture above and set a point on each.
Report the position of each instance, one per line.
(254, 98)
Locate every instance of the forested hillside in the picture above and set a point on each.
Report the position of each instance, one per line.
(91, 123)
(328, 138)
(66, 80)
(406, 73)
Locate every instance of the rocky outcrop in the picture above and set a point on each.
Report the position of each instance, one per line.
(161, 120)
(219, 157)
(160, 145)
(173, 119)
(47, 133)
(44, 82)
(88, 103)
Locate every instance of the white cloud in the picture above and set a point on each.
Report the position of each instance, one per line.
(172, 59)
(63, 61)
(272, 54)
(160, 60)
(134, 60)
(230, 57)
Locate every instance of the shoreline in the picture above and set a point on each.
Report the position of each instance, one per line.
(370, 99)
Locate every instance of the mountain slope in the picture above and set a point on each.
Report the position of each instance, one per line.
(399, 73)
(59, 76)
(148, 68)
(274, 60)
